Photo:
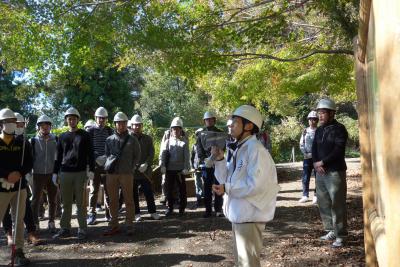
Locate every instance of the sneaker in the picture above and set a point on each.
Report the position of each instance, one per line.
(329, 236)
(92, 219)
(20, 259)
(138, 218)
(314, 200)
(155, 216)
(99, 208)
(169, 212)
(52, 227)
(108, 216)
(33, 239)
(338, 243)
(207, 215)
(81, 234)
(63, 233)
(113, 231)
(219, 214)
(303, 199)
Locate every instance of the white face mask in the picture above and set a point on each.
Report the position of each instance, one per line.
(19, 131)
(9, 128)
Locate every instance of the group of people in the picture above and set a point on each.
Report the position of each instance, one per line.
(240, 179)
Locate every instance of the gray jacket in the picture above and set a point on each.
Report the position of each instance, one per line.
(44, 154)
(306, 141)
(130, 155)
(175, 154)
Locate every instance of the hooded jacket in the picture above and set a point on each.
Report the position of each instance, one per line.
(251, 184)
(44, 154)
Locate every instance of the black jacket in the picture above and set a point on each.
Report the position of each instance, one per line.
(10, 160)
(74, 152)
(329, 146)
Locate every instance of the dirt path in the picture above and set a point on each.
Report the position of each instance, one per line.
(290, 240)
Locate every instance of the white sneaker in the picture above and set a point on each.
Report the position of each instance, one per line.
(155, 216)
(303, 199)
(314, 200)
(338, 243)
(138, 218)
(329, 236)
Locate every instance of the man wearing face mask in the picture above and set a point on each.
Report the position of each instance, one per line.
(15, 163)
(44, 147)
(74, 153)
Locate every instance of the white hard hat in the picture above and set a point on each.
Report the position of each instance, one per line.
(19, 117)
(312, 114)
(177, 122)
(90, 123)
(44, 118)
(101, 112)
(249, 113)
(229, 122)
(136, 119)
(326, 103)
(7, 113)
(208, 115)
(72, 111)
(120, 116)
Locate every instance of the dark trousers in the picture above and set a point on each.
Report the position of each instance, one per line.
(172, 179)
(145, 185)
(99, 178)
(28, 218)
(41, 182)
(209, 179)
(308, 166)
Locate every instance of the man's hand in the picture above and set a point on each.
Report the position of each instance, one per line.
(163, 170)
(216, 153)
(219, 189)
(90, 175)
(185, 172)
(14, 177)
(208, 162)
(143, 167)
(54, 179)
(318, 166)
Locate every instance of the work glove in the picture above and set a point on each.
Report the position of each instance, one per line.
(163, 170)
(5, 184)
(29, 179)
(143, 167)
(208, 162)
(54, 178)
(185, 172)
(90, 175)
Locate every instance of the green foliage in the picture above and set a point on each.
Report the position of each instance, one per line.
(352, 129)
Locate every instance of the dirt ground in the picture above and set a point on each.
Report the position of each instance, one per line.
(291, 239)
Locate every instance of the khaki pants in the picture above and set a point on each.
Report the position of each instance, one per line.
(114, 182)
(247, 242)
(73, 184)
(11, 198)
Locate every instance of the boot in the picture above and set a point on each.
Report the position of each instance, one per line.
(20, 259)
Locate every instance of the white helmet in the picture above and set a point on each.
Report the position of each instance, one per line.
(72, 111)
(312, 115)
(208, 115)
(89, 123)
(7, 113)
(229, 122)
(249, 113)
(177, 122)
(101, 112)
(326, 103)
(19, 117)
(136, 119)
(44, 118)
(120, 116)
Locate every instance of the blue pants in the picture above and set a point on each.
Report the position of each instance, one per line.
(145, 185)
(331, 194)
(209, 179)
(308, 166)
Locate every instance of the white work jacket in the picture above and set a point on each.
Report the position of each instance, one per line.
(251, 184)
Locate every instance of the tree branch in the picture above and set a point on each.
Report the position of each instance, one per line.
(252, 56)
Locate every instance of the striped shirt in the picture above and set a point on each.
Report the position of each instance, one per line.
(99, 136)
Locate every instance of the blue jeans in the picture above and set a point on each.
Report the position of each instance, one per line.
(308, 166)
(199, 186)
(145, 184)
(331, 194)
(209, 179)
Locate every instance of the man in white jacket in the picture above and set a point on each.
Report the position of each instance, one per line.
(249, 185)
